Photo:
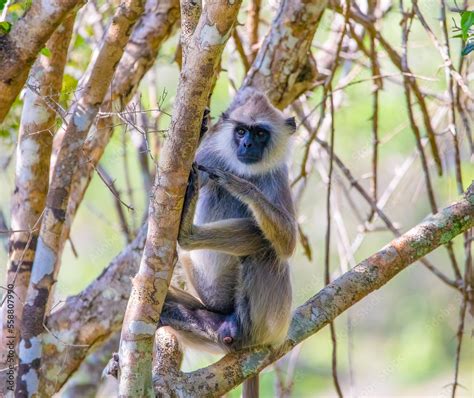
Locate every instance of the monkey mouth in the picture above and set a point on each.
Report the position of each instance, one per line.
(248, 159)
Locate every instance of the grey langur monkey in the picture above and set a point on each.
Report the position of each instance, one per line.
(238, 230)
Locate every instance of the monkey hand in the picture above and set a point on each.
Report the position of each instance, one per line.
(189, 205)
(192, 188)
(204, 123)
(236, 186)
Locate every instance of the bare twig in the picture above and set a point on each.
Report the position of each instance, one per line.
(253, 21)
(110, 184)
(240, 49)
(372, 4)
(396, 59)
(327, 248)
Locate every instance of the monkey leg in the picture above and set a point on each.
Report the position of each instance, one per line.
(184, 313)
(263, 301)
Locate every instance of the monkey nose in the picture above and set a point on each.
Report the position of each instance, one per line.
(228, 340)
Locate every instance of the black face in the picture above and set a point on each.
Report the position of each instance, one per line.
(251, 142)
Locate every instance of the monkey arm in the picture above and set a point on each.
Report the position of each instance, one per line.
(276, 222)
(235, 236)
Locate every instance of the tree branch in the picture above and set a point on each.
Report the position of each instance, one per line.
(140, 53)
(20, 47)
(335, 298)
(37, 128)
(203, 40)
(46, 263)
(282, 67)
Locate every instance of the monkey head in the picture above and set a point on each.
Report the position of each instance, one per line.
(253, 137)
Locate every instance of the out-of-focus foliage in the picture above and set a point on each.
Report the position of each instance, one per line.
(467, 23)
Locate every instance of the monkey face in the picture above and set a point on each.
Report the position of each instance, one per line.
(251, 142)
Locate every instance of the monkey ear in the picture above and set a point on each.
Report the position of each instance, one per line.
(291, 122)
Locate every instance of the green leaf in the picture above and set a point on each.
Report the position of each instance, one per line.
(46, 52)
(467, 20)
(69, 83)
(469, 47)
(2, 4)
(27, 4)
(80, 41)
(5, 27)
(68, 87)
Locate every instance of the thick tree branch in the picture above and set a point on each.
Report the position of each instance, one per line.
(88, 318)
(335, 298)
(283, 68)
(203, 40)
(46, 263)
(20, 47)
(253, 22)
(37, 128)
(87, 380)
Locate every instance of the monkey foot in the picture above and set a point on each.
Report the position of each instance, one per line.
(228, 340)
(229, 331)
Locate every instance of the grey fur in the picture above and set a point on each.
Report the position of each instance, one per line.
(239, 228)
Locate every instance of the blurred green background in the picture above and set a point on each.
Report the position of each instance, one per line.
(398, 342)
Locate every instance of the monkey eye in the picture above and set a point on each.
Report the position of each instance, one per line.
(240, 132)
(260, 133)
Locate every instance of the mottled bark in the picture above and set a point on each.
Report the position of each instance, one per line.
(20, 47)
(167, 360)
(87, 379)
(88, 318)
(37, 128)
(152, 29)
(46, 263)
(203, 39)
(283, 68)
(335, 298)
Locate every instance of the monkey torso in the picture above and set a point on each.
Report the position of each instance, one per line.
(212, 268)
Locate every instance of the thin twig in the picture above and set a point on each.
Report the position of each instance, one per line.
(111, 188)
(240, 49)
(368, 23)
(375, 104)
(253, 20)
(105, 176)
(327, 277)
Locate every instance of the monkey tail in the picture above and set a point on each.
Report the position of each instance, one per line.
(250, 387)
